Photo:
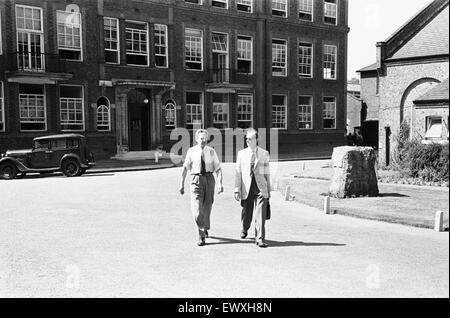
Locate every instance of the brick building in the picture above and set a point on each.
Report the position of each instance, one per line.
(411, 63)
(127, 73)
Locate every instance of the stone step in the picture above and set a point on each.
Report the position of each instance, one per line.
(144, 155)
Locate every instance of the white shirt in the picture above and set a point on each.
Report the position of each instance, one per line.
(193, 161)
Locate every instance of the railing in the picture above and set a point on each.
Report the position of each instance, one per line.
(36, 62)
(226, 75)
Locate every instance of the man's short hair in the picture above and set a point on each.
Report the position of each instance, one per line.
(250, 132)
(201, 131)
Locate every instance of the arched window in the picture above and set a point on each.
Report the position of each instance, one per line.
(170, 115)
(103, 115)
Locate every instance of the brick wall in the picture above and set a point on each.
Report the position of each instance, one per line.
(177, 15)
(369, 94)
(392, 89)
(420, 117)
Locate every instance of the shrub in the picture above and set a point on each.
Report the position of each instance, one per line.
(428, 162)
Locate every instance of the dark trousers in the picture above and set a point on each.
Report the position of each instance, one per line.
(254, 206)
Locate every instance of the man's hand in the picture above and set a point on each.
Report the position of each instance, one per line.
(181, 190)
(219, 189)
(237, 196)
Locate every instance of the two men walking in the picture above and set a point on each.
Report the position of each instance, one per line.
(252, 184)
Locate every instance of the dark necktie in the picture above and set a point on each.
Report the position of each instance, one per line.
(203, 167)
(252, 164)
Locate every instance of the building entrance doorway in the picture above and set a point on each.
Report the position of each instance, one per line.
(139, 120)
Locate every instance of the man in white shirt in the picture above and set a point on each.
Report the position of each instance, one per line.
(202, 161)
(252, 186)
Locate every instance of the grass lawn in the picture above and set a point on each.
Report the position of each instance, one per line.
(404, 204)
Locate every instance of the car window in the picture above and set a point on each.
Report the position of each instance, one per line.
(72, 143)
(41, 144)
(59, 143)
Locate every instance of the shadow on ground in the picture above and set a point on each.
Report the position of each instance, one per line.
(60, 175)
(393, 195)
(224, 240)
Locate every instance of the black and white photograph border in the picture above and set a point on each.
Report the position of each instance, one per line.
(249, 150)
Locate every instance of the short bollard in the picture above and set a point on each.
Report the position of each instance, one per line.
(303, 167)
(287, 193)
(157, 155)
(326, 205)
(439, 221)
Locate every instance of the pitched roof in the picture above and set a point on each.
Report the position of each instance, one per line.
(432, 39)
(371, 67)
(437, 93)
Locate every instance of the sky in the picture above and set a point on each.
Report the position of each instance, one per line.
(372, 21)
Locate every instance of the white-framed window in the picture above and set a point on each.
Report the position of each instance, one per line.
(306, 10)
(136, 38)
(194, 110)
(33, 114)
(279, 57)
(30, 38)
(111, 39)
(170, 114)
(244, 5)
(200, 2)
(220, 110)
(245, 54)
(279, 8)
(69, 35)
(329, 62)
(329, 113)
(103, 114)
(245, 111)
(330, 10)
(2, 108)
(103, 118)
(433, 127)
(161, 46)
(193, 49)
(220, 4)
(279, 111)
(71, 103)
(29, 18)
(305, 107)
(305, 59)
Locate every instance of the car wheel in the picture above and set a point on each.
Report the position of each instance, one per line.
(71, 168)
(8, 171)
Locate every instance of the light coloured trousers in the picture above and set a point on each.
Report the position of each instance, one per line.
(202, 199)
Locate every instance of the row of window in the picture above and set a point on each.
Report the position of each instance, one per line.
(33, 114)
(219, 44)
(30, 43)
(244, 112)
(33, 110)
(279, 8)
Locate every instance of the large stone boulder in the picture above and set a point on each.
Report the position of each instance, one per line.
(354, 173)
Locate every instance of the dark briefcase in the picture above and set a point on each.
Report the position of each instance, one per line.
(268, 212)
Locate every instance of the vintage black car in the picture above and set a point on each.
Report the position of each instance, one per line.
(68, 153)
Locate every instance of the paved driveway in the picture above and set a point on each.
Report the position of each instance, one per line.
(129, 234)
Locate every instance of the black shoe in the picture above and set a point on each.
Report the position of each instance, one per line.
(206, 233)
(201, 241)
(243, 235)
(261, 244)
